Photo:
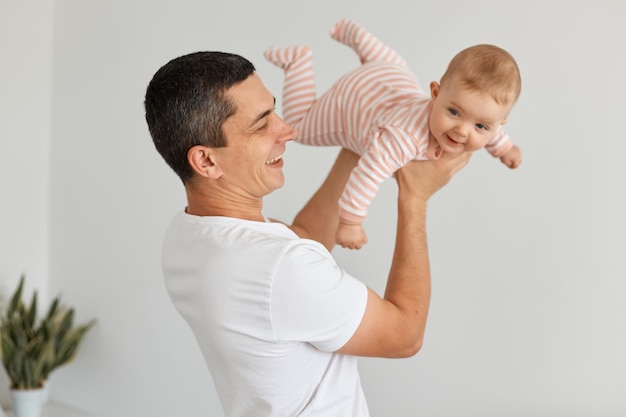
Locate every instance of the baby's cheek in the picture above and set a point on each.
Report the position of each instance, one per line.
(480, 143)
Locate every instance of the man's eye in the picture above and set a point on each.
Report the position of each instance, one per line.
(453, 112)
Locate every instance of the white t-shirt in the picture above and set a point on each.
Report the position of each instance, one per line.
(268, 310)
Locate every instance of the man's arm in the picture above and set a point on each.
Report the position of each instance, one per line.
(394, 326)
(319, 218)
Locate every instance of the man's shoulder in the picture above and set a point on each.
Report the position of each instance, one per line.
(228, 233)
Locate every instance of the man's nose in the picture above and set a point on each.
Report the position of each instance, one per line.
(287, 132)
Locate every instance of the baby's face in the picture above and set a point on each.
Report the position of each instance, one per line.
(462, 120)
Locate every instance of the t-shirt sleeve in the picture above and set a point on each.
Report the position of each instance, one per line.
(313, 300)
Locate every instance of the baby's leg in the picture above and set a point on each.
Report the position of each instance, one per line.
(299, 86)
(366, 45)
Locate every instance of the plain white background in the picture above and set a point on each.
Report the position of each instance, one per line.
(529, 272)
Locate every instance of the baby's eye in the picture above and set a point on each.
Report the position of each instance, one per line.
(453, 112)
(481, 126)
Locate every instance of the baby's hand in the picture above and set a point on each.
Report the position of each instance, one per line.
(350, 235)
(513, 157)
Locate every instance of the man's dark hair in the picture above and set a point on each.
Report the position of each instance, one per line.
(186, 105)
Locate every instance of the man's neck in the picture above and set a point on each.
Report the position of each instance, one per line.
(217, 202)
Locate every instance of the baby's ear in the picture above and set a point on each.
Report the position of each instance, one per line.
(504, 121)
(434, 89)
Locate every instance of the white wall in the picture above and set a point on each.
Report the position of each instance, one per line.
(25, 96)
(527, 315)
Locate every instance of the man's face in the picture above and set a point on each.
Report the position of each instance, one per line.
(462, 120)
(251, 162)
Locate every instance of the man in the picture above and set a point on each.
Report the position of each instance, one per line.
(279, 322)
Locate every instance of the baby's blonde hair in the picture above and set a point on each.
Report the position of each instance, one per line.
(488, 69)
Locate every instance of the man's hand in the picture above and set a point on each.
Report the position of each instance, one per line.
(425, 178)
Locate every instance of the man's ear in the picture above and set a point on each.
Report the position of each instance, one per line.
(434, 89)
(202, 161)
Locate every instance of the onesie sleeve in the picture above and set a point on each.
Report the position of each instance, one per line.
(391, 149)
(499, 145)
(313, 300)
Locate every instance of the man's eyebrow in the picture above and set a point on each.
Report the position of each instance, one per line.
(263, 115)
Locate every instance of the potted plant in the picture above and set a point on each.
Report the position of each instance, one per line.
(33, 347)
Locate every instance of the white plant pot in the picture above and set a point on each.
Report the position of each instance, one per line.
(28, 403)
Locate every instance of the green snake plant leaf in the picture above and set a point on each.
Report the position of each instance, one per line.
(32, 348)
(17, 298)
(32, 313)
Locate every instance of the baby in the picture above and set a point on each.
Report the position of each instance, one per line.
(380, 112)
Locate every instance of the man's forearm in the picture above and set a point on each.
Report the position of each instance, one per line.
(410, 259)
(408, 286)
(319, 218)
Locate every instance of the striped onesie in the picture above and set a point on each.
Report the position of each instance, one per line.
(378, 111)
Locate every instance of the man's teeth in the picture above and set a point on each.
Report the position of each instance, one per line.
(273, 161)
